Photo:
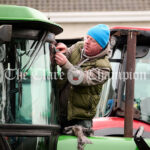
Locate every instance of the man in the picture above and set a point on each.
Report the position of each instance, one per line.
(87, 64)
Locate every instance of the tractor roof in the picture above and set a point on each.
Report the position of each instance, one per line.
(21, 16)
(143, 34)
(128, 28)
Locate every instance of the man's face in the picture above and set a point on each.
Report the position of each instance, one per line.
(91, 47)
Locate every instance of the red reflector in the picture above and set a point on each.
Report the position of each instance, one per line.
(75, 78)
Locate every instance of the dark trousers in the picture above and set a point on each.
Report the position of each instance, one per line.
(84, 123)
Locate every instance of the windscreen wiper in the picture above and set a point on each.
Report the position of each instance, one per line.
(138, 139)
(35, 52)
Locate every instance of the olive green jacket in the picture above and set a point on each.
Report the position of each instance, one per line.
(83, 99)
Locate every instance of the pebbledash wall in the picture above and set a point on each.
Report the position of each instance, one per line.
(76, 24)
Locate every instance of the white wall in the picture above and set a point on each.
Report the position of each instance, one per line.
(76, 24)
(75, 30)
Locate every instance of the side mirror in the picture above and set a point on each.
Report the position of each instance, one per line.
(51, 38)
(5, 33)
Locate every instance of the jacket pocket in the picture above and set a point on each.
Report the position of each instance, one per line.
(81, 100)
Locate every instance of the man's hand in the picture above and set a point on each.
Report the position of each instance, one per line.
(61, 47)
(60, 59)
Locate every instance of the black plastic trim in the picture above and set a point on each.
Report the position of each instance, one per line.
(28, 130)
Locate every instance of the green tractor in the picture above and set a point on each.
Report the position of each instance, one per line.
(28, 93)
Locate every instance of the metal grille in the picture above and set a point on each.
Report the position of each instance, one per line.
(82, 5)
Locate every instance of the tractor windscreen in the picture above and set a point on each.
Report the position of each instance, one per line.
(27, 92)
(142, 87)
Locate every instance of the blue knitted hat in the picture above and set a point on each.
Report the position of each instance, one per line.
(100, 33)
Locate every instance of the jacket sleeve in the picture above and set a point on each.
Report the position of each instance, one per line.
(70, 50)
(95, 76)
(92, 76)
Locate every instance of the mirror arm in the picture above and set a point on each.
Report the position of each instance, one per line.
(138, 139)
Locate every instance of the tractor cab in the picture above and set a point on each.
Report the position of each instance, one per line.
(28, 117)
(130, 49)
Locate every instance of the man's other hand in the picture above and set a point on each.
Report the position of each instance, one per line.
(60, 59)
